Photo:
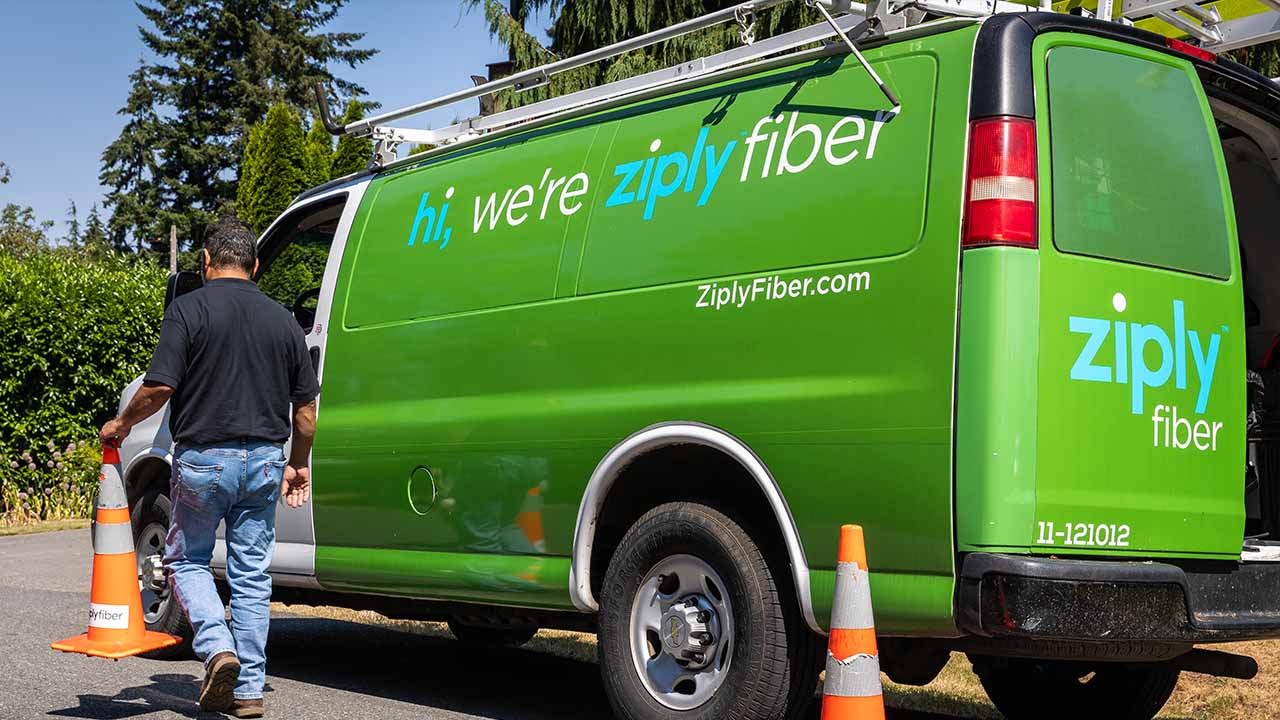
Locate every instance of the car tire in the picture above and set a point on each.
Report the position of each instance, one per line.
(150, 520)
(753, 657)
(1023, 689)
(495, 636)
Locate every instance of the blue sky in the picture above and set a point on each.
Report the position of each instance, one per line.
(64, 69)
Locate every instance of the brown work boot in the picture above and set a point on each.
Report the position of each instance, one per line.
(220, 675)
(247, 708)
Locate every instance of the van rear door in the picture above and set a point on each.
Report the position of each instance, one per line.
(1140, 427)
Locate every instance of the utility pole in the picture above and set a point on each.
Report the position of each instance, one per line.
(173, 248)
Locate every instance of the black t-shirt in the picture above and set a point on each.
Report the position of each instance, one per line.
(235, 359)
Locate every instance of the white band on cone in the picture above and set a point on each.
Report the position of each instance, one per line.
(858, 676)
(112, 538)
(852, 609)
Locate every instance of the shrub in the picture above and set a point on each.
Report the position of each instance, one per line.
(73, 333)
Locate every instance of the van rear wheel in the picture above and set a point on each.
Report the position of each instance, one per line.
(1023, 689)
(692, 623)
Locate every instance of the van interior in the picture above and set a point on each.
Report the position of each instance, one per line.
(1251, 146)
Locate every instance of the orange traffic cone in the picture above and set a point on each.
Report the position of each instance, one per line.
(852, 689)
(116, 625)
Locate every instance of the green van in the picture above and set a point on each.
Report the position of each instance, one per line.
(628, 370)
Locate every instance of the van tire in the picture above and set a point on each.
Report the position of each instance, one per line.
(769, 668)
(496, 636)
(1023, 689)
(149, 514)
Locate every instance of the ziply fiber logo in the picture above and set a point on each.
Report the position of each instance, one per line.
(778, 145)
(1127, 363)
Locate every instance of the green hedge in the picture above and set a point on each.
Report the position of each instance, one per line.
(73, 333)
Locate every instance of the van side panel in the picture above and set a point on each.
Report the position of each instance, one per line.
(836, 368)
(996, 396)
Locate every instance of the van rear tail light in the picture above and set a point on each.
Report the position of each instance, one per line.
(1000, 203)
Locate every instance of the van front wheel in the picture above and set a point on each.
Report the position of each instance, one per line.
(692, 623)
(1046, 690)
(161, 613)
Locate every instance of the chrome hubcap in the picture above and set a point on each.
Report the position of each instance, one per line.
(681, 632)
(151, 580)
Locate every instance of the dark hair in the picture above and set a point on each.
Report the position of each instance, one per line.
(231, 244)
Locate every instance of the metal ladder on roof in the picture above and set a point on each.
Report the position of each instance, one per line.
(842, 18)
(1215, 25)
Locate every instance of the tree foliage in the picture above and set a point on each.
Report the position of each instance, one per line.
(274, 168)
(94, 240)
(581, 25)
(73, 333)
(72, 237)
(1264, 58)
(219, 65)
(353, 152)
(319, 154)
(20, 233)
(131, 168)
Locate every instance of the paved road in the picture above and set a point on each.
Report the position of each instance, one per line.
(318, 668)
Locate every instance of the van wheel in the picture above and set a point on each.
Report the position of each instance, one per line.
(160, 609)
(496, 635)
(691, 622)
(1048, 690)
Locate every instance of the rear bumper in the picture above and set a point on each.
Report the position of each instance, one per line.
(1029, 598)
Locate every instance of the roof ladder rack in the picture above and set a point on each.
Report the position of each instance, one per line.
(1214, 26)
(1245, 23)
(842, 18)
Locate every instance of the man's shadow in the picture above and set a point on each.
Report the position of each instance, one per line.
(176, 693)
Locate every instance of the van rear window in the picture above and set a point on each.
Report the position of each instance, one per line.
(1135, 171)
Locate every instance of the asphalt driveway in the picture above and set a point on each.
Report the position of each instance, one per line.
(317, 668)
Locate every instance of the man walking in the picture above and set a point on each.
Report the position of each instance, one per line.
(230, 361)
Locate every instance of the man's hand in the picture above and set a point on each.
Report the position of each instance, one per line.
(296, 486)
(113, 433)
(145, 402)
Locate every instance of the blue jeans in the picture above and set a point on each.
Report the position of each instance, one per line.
(238, 482)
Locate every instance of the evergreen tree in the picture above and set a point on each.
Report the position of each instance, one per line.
(72, 237)
(131, 168)
(273, 170)
(353, 153)
(581, 25)
(95, 240)
(219, 65)
(319, 154)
